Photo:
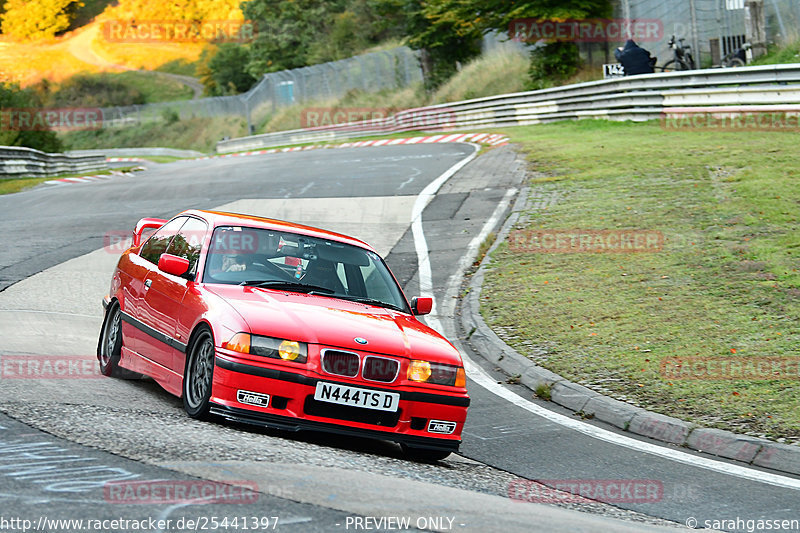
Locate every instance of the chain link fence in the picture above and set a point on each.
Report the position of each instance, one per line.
(389, 69)
(713, 28)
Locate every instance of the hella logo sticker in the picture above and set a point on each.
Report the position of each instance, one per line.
(252, 398)
(441, 426)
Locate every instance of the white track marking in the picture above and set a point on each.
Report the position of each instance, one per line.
(481, 378)
(487, 382)
(420, 245)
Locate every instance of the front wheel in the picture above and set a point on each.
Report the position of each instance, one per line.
(199, 375)
(109, 348)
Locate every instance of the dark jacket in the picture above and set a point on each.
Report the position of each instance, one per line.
(635, 59)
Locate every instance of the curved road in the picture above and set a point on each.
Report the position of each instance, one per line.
(314, 482)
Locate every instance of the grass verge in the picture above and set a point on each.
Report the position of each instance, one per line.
(199, 134)
(726, 284)
(790, 53)
(153, 86)
(12, 185)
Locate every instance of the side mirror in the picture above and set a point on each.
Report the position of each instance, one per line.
(172, 264)
(143, 224)
(421, 305)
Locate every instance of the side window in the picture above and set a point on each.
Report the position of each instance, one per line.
(189, 241)
(158, 241)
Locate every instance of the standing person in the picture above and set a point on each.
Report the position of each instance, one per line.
(635, 59)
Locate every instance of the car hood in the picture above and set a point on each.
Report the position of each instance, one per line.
(336, 323)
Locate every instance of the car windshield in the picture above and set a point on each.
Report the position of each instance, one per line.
(241, 255)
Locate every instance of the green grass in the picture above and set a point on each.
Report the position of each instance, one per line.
(162, 158)
(201, 134)
(487, 75)
(179, 66)
(12, 185)
(780, 54)
(154, 87)
(727, 283)
(495, 73)
(383, 102)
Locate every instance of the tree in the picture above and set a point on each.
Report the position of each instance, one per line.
(443, 39)
(13, 99)
(469, 19)
(353, 30)
(225, 71)
(176, 10)
(38, 19)
(286, 31)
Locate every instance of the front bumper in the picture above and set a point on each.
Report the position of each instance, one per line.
(292, 407)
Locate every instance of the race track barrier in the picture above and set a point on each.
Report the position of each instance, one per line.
(637, 98)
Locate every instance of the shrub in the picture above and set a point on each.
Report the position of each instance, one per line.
(11, 98)
(553, 63)
(94, 91)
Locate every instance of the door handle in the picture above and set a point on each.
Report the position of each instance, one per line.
(147, 284)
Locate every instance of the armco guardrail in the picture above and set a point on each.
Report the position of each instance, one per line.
(19, 161)
(643, 97)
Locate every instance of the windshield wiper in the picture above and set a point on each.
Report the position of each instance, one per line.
(312, 289)
(370, 301)
(287, 285)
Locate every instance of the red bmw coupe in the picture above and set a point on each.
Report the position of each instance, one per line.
(276, 324)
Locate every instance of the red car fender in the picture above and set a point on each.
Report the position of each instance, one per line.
(203, 307)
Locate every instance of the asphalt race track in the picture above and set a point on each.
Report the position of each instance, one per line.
(63, 439)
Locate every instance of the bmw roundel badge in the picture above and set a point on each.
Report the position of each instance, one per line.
(360, 340)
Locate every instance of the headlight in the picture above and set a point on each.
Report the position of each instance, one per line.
(436, 373)
(268, 347)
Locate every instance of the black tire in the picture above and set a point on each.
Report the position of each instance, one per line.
(674, 65)
(199, 374)
(734, 62)
(109, 347)
(424, 455)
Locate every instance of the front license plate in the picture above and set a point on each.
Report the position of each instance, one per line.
(355, 397)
